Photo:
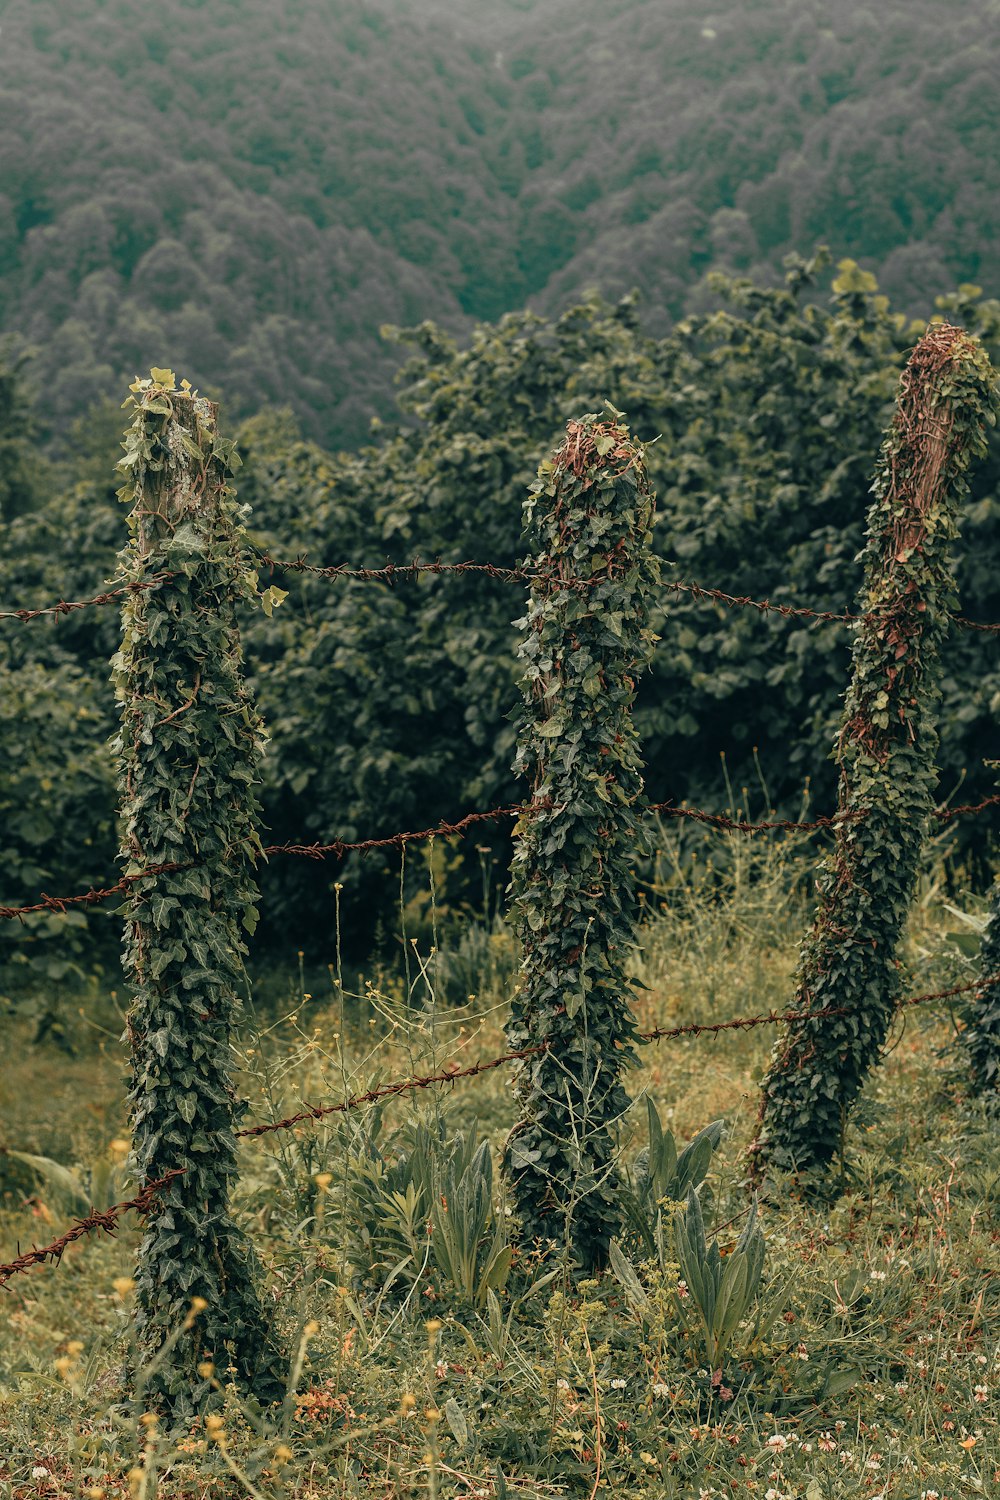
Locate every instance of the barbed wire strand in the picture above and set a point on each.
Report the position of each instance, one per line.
(68, 607)
(339, 848)
(97, 1221)
(106, 1221)
(390, 572)
(738, 825)
(697, 591)
(798, 1017)
(58, 904)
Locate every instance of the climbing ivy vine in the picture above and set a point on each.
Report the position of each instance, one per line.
(886, 751)
(585, 641)
(189, 745)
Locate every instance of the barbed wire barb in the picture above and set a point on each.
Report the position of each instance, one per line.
(68, 607)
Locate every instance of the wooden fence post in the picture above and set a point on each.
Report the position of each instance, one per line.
(584, 645)
(189, 745)
(886, 751)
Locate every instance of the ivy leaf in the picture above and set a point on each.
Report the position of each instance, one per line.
(270, 598)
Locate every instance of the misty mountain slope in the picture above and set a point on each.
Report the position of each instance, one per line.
(250, 188)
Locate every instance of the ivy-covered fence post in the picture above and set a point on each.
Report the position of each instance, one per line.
(189, 746)
(585, 641)
(886, 751)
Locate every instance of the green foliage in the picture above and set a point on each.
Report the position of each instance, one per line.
(661, 1176)
(420, 1209)
(722, 1292)
(386, 705)
(886, 751)
(585, 641)
(769, 414)
(76, 1191)
(884, 1299)
(18, 434)
(56, 781)
(56, 789)
(189, 747)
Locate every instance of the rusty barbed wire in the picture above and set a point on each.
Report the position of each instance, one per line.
(313, 1112)
(703, 594)
(339, 848)
(698, 591)
(96, 1221)
(967, 624)
(92, 897)
(945, 814)
(390, 572)
(738, 825)
(67, 607)
(389, 1091)
(107, 1220)
(775, 1018)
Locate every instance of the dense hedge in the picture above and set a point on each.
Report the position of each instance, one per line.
(387, 707)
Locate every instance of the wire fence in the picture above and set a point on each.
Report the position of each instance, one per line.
(106, 1221)
(391, 572)
(340, 848)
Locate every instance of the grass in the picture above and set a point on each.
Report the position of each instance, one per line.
(868, 1366)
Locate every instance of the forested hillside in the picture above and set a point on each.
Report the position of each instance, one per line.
(250, 188)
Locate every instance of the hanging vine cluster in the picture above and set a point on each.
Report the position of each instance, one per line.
(189, 745)
(590, 515)
(886, 751)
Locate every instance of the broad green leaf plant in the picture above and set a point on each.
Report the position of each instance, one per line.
(585, 641)
(189, 745)
(722, 1291)
(886, 753)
